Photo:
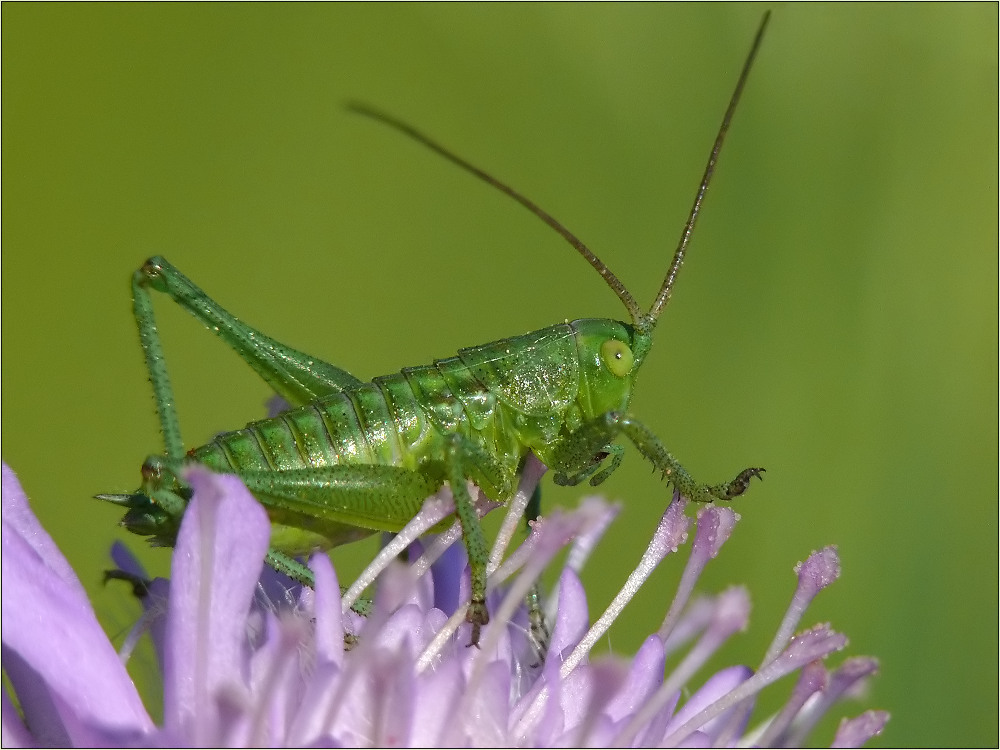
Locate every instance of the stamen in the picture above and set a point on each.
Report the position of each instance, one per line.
(715, 524)
(857, 731)
(812, 680)
(136, 632)
(670, 533)
(818, 571)
(434, 509)
(731, 614)
(848, 675)
(530, 476)
(691, 624)
(804, 648)
(549, 538)
(584, 544)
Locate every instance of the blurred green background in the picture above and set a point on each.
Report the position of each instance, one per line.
(836, 320)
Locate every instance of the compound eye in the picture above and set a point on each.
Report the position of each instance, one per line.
(617, 357)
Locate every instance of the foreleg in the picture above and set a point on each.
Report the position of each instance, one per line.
(581, 454)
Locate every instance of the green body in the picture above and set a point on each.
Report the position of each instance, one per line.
(351, 458)
(362, 457)
(527, 393)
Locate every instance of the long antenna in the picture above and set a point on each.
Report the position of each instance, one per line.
(612, 281)
(663, 297)
(643, 321)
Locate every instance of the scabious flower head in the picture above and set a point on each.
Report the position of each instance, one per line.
(247, 660)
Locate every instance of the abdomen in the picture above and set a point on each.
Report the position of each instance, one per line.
(361, 426)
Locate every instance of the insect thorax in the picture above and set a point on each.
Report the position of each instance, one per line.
(507, 397)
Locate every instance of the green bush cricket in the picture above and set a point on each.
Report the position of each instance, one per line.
(351, 458)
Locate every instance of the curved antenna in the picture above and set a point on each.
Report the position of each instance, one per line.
(643, 321)
(612, 281)
(649, 320)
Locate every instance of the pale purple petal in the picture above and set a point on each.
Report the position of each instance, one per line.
(366, 694)
(13, 733)
(717, 686)
(274, 656)
(54, 650)
(571, 617)
(329, 621)
(487, 715)
(440, 690)
(393, 686)
(155, 606)
(550, 724)
(320, 698)
(405, 629)
(644, 677)
(585, 704)
(696, 739)
(17, 515)
(217, 561)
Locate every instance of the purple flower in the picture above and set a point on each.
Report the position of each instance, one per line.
(248, 660)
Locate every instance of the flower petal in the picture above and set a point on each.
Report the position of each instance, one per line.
(440, 689)
(70, 684)
(716, 687)
(13, 733)
(329, 621)
(17, 514)
(218, 558)
(572, 616)
(644, 677)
